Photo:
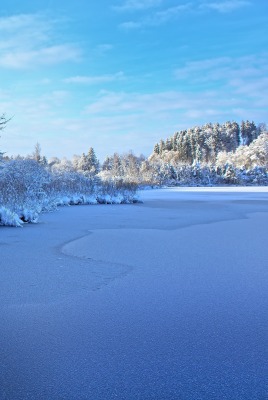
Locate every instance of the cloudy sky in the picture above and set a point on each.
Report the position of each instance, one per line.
(121, 74)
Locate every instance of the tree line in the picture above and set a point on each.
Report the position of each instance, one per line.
(212, 154)
(203, 143)
(32, 184)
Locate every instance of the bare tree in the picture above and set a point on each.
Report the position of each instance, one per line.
(3, 121)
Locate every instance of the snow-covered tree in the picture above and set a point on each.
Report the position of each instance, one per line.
(83, 164)
(87, 163)
(156, 148)
(64, 165)
(22, 186)
(94, 165)
(249, 132)
(232, 136)
(52, 161)
(37, 156)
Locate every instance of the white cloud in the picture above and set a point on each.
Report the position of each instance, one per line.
(226, 6)
(135, 5)
(64, 123)
(224, 69)
(194, 70)
(164, 15)
(169, 13)
(26, 42)
(151, 105)
(241, 82)
(91, 80)
(118, 121)
(158, 17)
(129, 25)
(104, 48)
(20, 59)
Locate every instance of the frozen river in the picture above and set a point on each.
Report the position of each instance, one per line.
(164, 300)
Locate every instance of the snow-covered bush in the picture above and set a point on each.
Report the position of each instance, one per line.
(69, 186)
(27, 188)
(9, 218)
(22, 187)
(247, 157)
(116, 191)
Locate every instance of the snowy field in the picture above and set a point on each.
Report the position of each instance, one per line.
(164, 300)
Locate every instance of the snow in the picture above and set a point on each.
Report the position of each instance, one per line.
(9, 218)
(161, 300)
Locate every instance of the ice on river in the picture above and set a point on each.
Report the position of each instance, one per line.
(161, 300)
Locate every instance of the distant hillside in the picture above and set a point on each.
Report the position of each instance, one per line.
(203, 143)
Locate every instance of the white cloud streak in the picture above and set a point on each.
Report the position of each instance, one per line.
(130, 25)
(20, 59)
(169, 13)
(137, 5)
(158, 17)
(119, 121)
(104, 48)
(164, 15)
(92, 80)
(26, 43)
(114, 103)
(225, 69)
(226, 6)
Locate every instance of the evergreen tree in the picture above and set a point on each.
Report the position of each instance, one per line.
(37, 155)
(202, 144)
(88, 163)
(168, 144)
(83, 163)
(107, 164)
(183, 147)
(93, 162)
(249, 132)
(175, 141)
(162, 146)
(116, 165)
(156, 148)
(231, 137)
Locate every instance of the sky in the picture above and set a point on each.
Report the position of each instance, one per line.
(119, 75)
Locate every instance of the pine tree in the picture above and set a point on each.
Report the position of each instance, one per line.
(83, 163)
(88, 163)
(249, 132)
(175, 141)
(37, 153)
(162, 146)
(156, 148)
(231, 137)
(93, 162)
(168, 145)
(117, 165)
(107, 164)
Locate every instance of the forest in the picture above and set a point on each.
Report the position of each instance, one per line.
(209, 155)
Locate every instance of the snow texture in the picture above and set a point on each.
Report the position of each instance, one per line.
(9, 218)
(161, 300)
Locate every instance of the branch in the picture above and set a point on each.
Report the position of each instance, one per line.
(3, 121)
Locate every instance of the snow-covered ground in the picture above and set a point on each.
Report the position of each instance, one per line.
(156, 301)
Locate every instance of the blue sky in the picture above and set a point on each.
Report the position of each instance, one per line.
(121, 74)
